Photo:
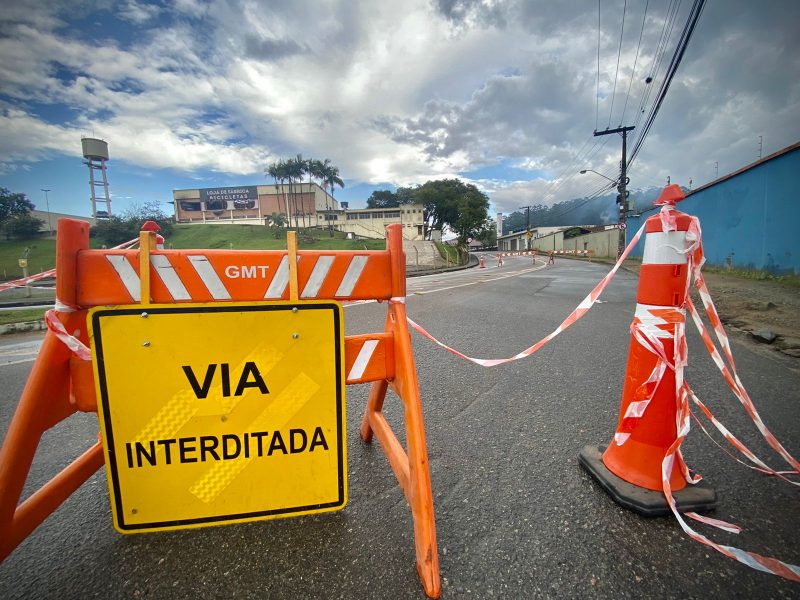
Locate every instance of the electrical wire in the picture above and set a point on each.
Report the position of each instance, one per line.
(677, 57)
(619, 53)
(666, 33)
(597, 93)
(635, 61)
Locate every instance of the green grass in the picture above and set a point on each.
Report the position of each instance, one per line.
(449, 253)
(21, 316)
(42, 252)
(790, 280)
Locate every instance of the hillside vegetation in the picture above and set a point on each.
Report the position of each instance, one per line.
(42, 252)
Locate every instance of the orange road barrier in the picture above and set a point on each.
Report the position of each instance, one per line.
(630, 470)
(62, 381)
(483, 263)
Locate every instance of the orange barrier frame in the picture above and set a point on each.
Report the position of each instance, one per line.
(61, 384)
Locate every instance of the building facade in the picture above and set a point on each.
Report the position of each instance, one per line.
(252, 204)
(305, 205)
(372, 222)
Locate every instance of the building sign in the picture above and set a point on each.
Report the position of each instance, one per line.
(229, 198)
(203, 425)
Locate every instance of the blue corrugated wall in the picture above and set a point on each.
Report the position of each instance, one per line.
(750, 219)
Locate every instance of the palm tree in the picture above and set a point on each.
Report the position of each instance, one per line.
(332, 178)
(282, 170)
(300, 168)
(316, 169)
(273, 170)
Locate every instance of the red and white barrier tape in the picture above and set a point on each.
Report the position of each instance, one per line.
(57, 327)
(647, 331)
(18, 283)
(575, 316)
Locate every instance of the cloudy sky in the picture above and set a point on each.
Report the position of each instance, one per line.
(506, 95)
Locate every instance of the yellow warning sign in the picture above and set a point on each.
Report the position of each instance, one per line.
(218, 413)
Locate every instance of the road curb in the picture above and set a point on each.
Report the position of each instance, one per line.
(22, 327)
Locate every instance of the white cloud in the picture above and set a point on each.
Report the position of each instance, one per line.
(397, 92)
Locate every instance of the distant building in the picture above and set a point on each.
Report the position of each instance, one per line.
(519, 240)
(252, 204)
(303, 204)
(50, 219)
(372, 222)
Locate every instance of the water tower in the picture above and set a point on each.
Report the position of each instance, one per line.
(95, 152)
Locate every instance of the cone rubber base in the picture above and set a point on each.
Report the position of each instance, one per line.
(700, 497)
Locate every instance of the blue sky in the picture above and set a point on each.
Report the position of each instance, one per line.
(505, 94)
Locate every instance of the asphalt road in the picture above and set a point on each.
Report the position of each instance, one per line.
(516, 516)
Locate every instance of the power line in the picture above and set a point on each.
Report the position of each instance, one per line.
(677, 57)
(597, 94)
(619, 53)
(635, 60)
(666, 33)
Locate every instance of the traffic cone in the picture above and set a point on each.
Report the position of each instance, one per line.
(483, 263)
(630, 469)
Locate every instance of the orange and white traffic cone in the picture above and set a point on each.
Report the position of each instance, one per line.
(630, 470)
(483, 263)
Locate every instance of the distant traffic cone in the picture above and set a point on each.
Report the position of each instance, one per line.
(630, 469)
(483, 263)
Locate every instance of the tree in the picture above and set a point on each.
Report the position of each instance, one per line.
(332, 178)
(317, 170)
(22, 226)
(148, 211)
(452, 203)
(488, 234)
(123, 228)
(382, 199)
(13, 204)
(114, 230)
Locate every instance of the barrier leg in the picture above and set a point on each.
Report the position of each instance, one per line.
(377, 395)
(420, 495)
(45, 401)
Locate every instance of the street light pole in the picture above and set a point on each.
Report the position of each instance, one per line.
(47, 202)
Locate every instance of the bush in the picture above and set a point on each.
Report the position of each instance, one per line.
(22, 226)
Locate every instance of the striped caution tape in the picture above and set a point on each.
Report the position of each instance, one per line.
(684, 393)
(584, 307)
(18, 283)
(650, 325)
(57, 327)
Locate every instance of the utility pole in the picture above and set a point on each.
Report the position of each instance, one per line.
(47, 202)
(622, 186)
(529, 235)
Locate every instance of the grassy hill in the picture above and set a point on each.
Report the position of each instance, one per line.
(42, 252)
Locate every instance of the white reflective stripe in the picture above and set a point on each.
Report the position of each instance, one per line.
(126, 273)
(317, 277)
(209, 277)
(665, 248)
(170, 278)
(351, 277)
(650, 322)
(280, 281)
(362, 360)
